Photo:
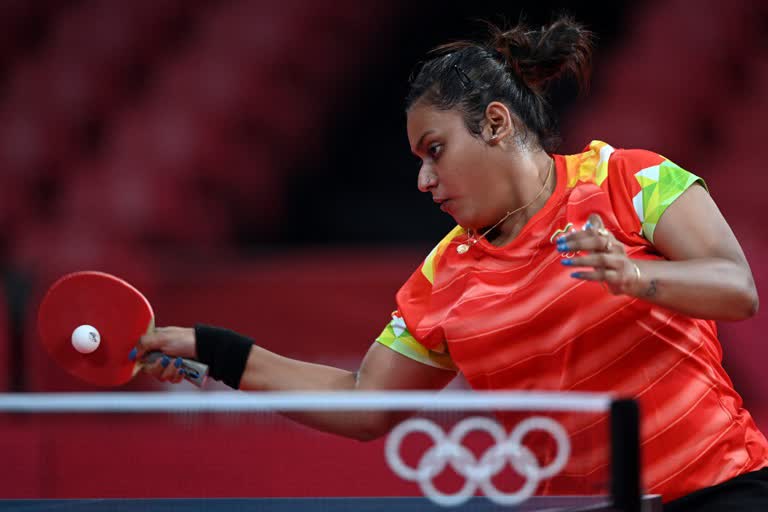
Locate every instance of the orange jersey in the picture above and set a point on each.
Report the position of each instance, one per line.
(511, 317)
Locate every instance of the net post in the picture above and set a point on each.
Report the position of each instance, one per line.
(625, 455)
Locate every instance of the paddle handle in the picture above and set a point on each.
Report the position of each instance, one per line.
(196, 372)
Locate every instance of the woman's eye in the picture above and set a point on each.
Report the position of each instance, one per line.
(435, 149)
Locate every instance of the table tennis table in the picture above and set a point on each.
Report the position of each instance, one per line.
(388, 504)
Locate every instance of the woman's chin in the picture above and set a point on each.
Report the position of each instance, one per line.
(464, 222)
(460, 217)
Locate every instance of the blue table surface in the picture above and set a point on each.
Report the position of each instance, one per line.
(550, 503)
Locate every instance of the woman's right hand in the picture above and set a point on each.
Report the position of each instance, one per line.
(175, 342)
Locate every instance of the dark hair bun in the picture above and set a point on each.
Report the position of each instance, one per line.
(539, 56)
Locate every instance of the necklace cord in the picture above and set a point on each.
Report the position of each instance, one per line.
(473, 239)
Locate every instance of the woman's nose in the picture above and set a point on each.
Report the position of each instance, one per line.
(427, 179)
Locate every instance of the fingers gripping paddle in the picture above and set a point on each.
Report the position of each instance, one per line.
(89, 322)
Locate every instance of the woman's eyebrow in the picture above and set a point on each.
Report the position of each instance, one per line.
(415, 149)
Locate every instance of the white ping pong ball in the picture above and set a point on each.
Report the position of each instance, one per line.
(86, 339)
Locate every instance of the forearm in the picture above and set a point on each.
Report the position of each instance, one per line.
(267, 371)
(712, 288)
(236, 361)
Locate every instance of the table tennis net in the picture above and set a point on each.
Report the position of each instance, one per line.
(460, 450)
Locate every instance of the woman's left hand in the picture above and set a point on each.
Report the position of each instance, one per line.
(606, 257)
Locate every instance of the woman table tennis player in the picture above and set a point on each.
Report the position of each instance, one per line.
(599, 271)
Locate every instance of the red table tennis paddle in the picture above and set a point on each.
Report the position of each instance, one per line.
(120, 314)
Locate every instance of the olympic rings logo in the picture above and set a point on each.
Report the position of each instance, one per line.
(449, 450)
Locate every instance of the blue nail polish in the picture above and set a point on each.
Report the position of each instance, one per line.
(177, 362)
(562, 247)
(132, 355)
(182, 372)
(165, 361)
(577, 275)
(560, 239)
(587, 225)
(567, 261)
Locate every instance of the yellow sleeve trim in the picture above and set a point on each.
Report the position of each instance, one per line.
(396, 336)
(660, 186)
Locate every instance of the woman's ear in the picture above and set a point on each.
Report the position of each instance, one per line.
(498, 123)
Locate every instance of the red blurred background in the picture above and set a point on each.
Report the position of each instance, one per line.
(244, 163)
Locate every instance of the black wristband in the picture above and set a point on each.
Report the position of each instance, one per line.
(224, 351)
